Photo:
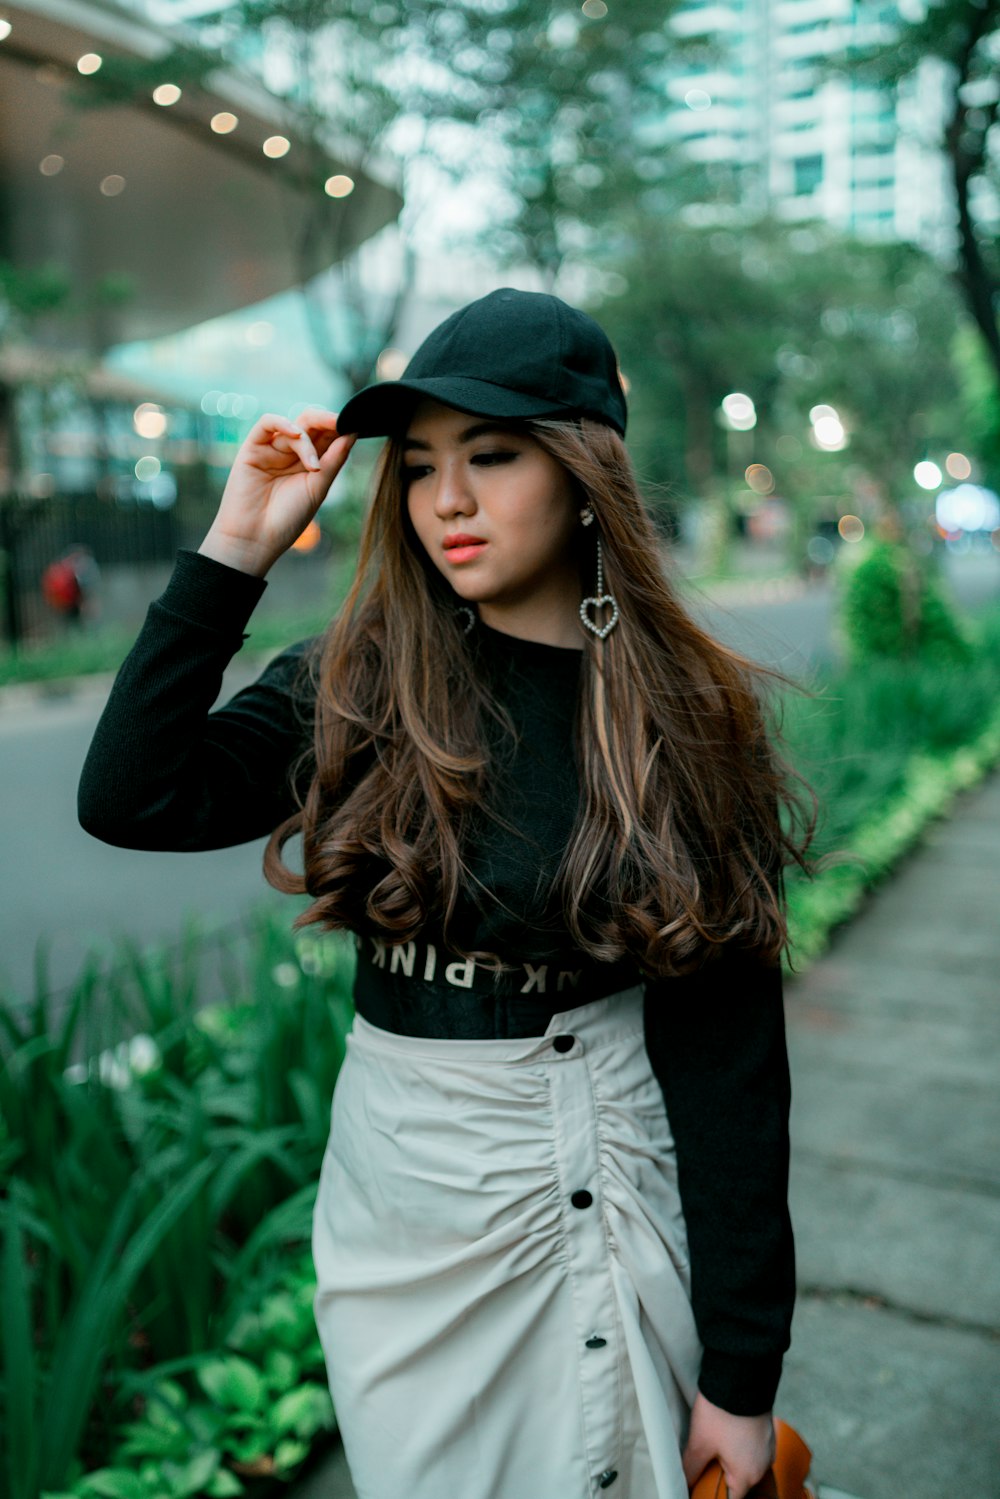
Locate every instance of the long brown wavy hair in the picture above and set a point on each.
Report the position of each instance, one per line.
(679, 843)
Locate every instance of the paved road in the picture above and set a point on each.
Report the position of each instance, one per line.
(60, 884)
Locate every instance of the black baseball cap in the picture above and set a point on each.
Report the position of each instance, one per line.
(512, 354)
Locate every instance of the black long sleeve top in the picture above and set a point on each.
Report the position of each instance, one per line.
(165, 772)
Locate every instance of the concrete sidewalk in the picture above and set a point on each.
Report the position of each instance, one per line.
(893, 1377)
(894, 1372)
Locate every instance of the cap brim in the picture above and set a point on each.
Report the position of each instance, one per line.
(380, 409)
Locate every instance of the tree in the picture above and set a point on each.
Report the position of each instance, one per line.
(564, 107)
(571, 104)
(965, 36)
(793, 318)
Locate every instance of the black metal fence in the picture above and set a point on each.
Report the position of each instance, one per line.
(33, 532)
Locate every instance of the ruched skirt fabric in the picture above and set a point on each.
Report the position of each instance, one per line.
(503, 1285)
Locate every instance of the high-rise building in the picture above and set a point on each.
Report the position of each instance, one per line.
(786, 130)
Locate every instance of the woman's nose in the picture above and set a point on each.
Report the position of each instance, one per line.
(453, 492)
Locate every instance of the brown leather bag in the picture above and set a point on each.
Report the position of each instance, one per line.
(785, 1480)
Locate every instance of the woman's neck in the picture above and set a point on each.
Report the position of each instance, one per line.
(551, 619)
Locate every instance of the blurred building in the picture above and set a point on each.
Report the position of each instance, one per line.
(789, 133)
(130, 214)
(196, 198)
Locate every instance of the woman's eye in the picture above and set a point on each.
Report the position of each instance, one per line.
(486, 460)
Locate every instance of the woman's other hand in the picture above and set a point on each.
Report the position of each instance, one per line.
(744, 1446)
(279, 478)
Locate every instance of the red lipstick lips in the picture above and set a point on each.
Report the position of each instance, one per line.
(461, 547)
(462, 539)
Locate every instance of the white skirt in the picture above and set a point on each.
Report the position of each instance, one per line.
(503, 1284)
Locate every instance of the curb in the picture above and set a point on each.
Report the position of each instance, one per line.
(736, 591)
(19, 695)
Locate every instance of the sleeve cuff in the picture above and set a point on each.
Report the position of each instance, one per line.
(744, 1386)
(209, 593)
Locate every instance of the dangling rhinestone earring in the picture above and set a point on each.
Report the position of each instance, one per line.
(464, 612)
(601, 599)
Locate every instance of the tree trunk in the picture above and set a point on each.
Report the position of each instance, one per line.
(980, 287)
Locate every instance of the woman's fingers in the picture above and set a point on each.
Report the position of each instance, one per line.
(284, 436)
(321, 427)
(743, 1445)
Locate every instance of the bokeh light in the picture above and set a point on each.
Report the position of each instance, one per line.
(788, 447)
(51, 164)
(5, 30)
(760, 478)
(697, 99)
(594, 10)
(851, 528)
(967, 507)
(309, 539)
(89, 62)
(276, 145)
(112, 185)
(390, 364)
(817, 413)
(223, 122)
(229, 403)
(927, 474)
(166, 93)
(828, 430)
(958, 465)
(820, 550)
(149, 420)
(338, 186)
(147, 468)
(739, 411)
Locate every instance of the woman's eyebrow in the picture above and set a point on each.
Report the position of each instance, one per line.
(479, 429)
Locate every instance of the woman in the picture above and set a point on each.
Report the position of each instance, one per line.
(551, 1235)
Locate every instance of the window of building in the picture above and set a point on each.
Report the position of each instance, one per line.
(808, 174)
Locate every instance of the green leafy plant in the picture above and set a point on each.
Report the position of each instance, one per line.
(154, 1189)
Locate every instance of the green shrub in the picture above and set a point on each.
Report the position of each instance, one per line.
(891, 608)
(886, 746)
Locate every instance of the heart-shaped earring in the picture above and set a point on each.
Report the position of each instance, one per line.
(600, 600)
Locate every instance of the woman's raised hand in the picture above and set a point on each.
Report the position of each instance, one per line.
(279, 478)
